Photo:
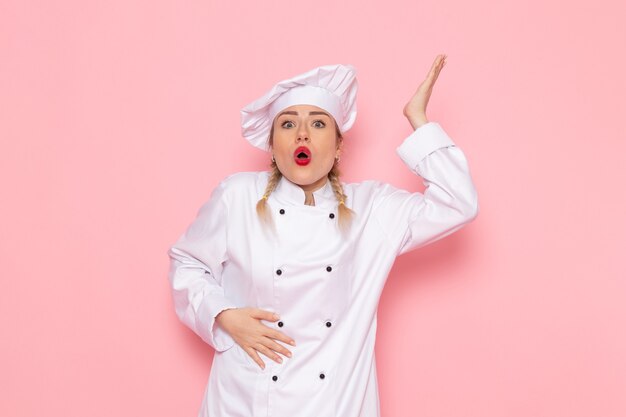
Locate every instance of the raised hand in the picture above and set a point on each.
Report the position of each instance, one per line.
(415, 109)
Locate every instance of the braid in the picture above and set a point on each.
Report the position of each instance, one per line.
(345, 213)
(261, 205)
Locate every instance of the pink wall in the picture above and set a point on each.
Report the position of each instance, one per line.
(118, 118)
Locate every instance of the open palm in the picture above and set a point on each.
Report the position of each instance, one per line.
(415, 109)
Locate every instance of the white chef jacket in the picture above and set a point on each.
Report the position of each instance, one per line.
(325, 287)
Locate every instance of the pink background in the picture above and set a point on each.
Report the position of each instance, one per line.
(118, 118)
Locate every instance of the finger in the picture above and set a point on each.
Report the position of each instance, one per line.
(264, 315)
(255, 356)
(440, 64)
(268, 352)
(275, 334)
(434, 71)
(277, 347)
(441, 59)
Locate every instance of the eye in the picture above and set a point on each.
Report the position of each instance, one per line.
(285, 122)
(319, 123)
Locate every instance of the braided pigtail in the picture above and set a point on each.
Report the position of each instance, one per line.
(345, 213)
(261, 206)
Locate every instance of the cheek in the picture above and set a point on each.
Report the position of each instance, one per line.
(280, 145)
(329, 157)
(331, 147)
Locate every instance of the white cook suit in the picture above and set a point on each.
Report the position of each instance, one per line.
(325, 288)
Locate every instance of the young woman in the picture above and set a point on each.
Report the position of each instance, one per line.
(281, 272)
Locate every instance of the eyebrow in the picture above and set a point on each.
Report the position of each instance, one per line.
(295, 113)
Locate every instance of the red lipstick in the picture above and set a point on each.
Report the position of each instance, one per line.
(302, 155)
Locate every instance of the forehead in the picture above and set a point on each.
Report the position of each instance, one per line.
(303, 109)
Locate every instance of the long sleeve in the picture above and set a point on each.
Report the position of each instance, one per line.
(412, 220)
(196, 263)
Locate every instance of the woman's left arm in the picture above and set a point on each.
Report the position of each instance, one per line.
(411, 220)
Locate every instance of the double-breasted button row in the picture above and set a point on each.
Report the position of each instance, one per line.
(280, 271)
(275, 377)
(331, 215)
(281, 323)
(328, 323)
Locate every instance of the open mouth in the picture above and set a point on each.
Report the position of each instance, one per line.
(302, 155)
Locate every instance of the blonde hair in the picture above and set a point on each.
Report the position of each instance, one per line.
(345, 214)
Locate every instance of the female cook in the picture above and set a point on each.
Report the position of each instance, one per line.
(281, 272)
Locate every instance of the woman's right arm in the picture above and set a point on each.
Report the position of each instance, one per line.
(195, 275)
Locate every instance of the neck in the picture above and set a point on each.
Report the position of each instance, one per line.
(308, 190)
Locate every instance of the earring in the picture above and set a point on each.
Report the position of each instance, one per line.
(338, 159)
(273, 160)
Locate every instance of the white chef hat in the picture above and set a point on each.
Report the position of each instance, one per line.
(330, 87)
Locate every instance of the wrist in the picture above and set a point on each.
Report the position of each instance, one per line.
(418, 121)
(220, 315)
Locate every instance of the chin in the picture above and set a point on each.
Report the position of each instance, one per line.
(300, 179)
(303, 178)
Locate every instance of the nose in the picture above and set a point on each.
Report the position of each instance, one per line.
(303, 133)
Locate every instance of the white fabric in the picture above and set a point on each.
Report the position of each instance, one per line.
(224, 260)
(338, 97)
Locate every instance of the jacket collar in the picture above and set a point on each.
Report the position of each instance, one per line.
(291, 193)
